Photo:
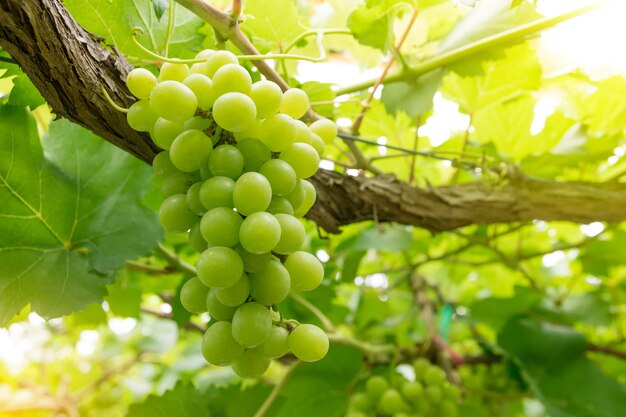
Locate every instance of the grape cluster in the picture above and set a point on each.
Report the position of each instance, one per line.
(429, 395)
(234, 166)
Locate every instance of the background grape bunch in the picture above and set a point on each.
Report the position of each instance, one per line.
(234, 166)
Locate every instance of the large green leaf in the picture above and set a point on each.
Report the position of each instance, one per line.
(414, 98)
(274, 21)
(182, 401)
(68, 219)
(372, 23)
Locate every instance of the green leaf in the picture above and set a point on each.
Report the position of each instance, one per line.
(182, 401)
(321, 92)
(372, 23)
(160, 6)
(23, 93)
(67, 220)
(125, 295)
(604, 111)
(413, 98)
(496, 312)
(275, 21)
(389, 237)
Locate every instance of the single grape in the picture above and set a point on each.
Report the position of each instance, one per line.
(236, 295)
(447, 409)
(177, 183)
(218, 59)
(303, 134)
(276, 345)
(278, 132)
(196, 241)
(252, 324)
(303, 158)
(173, 72)
(205, 53)
(218, 345)
(254, 152)
(308, 343)
(140, 82)
(220, 226)
(175, 216)
(292, 234)
(279, 205)
(281, 176)
(217, 310)
(193, 295)
(297, 196)
(141, 117)
(318, 144)
(162, 164)
(217, 192)
(226, 161)
(251, 364)
(252, 193)
(253, 262)
(190, 150)
(325, 129)
(376, 386)
(232, 78)
(434, 393)
(305, 270)
(202, 87)
(198, 123)
(391, 402)
(165, 131)
(412, 390)
(220, 267)
(271, 285)
(173, 101)
(193, 199)
(234, 112)
(361, 402)
(267, 96)
(259, 232)
(310, 195)
(253, 132)
(451, 392)
(354, 413)
(295, 103)
(421, 365)
(434, 375)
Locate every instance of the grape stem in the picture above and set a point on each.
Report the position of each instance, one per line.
(277, 388)
(113, 104)
(174, 260)
(367, 348)
(171, 17)
(328, 325)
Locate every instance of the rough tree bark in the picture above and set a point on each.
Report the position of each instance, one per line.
(69, 65)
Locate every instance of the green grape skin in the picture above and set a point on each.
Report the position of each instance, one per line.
(196, 241)
(280, 205)
(361, 402)
(254, 153)
(234, 112)
(218, 345)
(202, 87)
(198, 123)
(236, 295)
(295, 103)
(420, 365)
(252, 324)
(376, 386)
(190, 150)
(253, 132)
(356, 414)
(297, 196)
(303, 158)
(253, 262)
(278, 132)
(267, 96)
(451, 392)
(193, 199)
(433, 393)
(251, 364)
(226, 161)
(276, 345)
(252, 193)
(219, 266)
(310, 195)
(220, 227)
(391, 402)
(259, 232)
(308, 343)
(205, 53)
(305, 270)
(217, 192)
(162, 164)
(447, 409)
(271, 285)
(193, 295)
(412, 390)
(325, 129)
(140, 82)
(217, 60)
(217, 310)
(165, 131)
(173, 72)
(175, 216)
(173, 101)
(177, 183)
(303, 134)
(318, 144)
(232, 78)
(280, 175)
(292, 234)
(141, 117)
(434, 375)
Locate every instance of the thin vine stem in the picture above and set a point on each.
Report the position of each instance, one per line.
(113, 104)
(311, 32)
(276, 390)
(171, 18)
(326, 322)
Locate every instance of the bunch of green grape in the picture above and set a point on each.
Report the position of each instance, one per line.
(429, 395)
(488, 378)
(234, 166)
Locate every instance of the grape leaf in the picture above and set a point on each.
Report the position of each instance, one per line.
(182, 401)
(413, 98)
(372, 24)
(160, 6)
(68, 218)
(23, 93)
(275, 21)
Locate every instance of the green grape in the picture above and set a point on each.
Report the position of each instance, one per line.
(162, 164)
(177, 183)
(305, 270)
(271, 285)
(217, 310)
(434, 375)
(234, 112)
(226, 161)
(447, 409)
(376, 386)
(267, 96)
(278, 132)
(303, 158)
(254, 152)
(391, 402)
(220, 226)
(325, 129)
(217, 60)
(198, 123)
(218, 346)
(253, 262)
(421, 365)
(196, 241)
(297, 196)
(424, 408)
(165, 131)
(279, 205)
(412, 390)
(308, 343)
(355, 414)
(175, 216)
(193, 199)
(252, 193)
(193, 295)
(253, 132)
(361, 402)
(173, 72)
(433, 393)
(202, 87)
(451, 392)
(205, 53)
(141, 117)
(251, 364)
(236, 295)
(292, 234)
(173, 101)
(220, 267)
(295, 103)
(303, 134)
(190, 150)
(276, 345)
(310, 195)
(198, 68)
(140, 82)
(318, 144)
(252, 324)
(259, 232)
(217, 192)
(281, 176)
(232, 78)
